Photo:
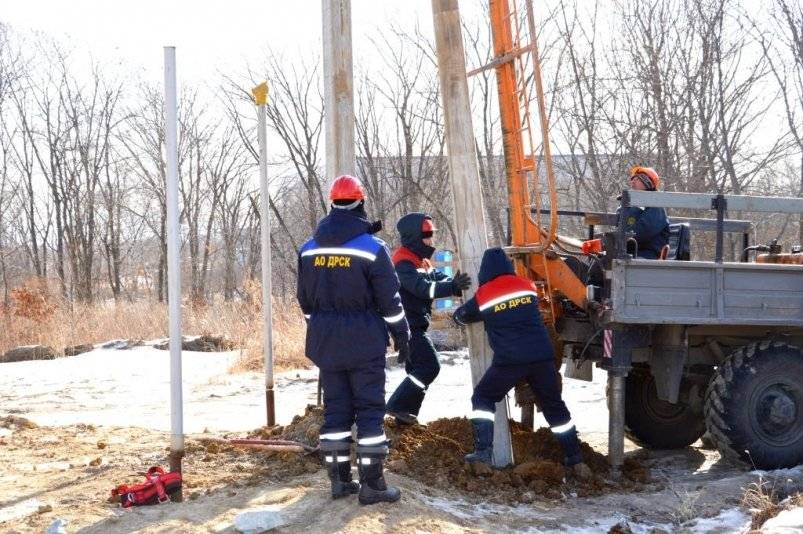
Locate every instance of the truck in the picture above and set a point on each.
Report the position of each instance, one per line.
(693, 348)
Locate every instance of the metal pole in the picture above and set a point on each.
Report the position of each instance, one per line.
(173, 262)
(338, 84)
(720, 204)
(465, 178)
(616, 422)
(260, 93)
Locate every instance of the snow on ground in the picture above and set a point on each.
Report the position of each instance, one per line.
(786, 522)
(111, 387)
(132, 388)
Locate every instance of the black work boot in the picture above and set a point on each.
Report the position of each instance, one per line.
(405, 402)
(574, 457)
(340, 473)
(373, 488)
(483, 442)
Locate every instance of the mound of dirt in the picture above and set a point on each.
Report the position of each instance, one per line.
(14, 422)
(303, 428)
(433, 454)
(205, 343)
(28, 353)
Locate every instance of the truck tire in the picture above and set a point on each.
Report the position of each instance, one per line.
(754, 405)
(656, 424)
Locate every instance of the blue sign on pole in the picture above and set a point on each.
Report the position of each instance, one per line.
(445, 257)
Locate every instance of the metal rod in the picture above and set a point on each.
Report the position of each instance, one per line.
(261, 97)
(621, 240)
(504, 58)
(528, 415)
(720, 204)
(745, 244)
(173, 262)
(616, 423)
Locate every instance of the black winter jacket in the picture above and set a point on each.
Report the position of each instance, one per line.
(349, 292)
(508, 306)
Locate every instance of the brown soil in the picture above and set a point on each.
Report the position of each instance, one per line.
(433, 454)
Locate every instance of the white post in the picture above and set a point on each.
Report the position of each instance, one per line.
(173, 262)
(338, 88)
(260, 93)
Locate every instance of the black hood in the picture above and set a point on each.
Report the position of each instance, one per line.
(341, 226)
(494, 263)
(409, 228)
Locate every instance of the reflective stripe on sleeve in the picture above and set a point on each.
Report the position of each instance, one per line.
(481, 414)
(432, 290)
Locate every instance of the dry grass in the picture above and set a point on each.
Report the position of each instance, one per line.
(764, 502)
(37, 318)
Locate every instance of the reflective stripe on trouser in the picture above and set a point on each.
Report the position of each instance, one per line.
(542, 377)
(354, 395)
(422, 369)
(373, 452)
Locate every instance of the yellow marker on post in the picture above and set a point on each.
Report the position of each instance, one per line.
(260, 93)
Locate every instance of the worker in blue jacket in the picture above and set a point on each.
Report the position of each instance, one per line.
(649, 226)
(349, 293)
(508, 306)
(420, 285)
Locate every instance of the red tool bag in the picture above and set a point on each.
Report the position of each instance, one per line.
(155, 490)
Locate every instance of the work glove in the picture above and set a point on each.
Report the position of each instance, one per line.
(401, 344)
(375, 227)
(457, 318)
(461, 281)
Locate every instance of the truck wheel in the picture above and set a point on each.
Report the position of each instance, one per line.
(754, 405)
(654, 423)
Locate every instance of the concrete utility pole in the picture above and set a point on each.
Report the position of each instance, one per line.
(463, 169)
(338, 86)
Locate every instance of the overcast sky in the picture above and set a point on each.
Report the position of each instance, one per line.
(209, 35)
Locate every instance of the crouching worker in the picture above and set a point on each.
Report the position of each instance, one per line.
(508, 306)
(349, 293)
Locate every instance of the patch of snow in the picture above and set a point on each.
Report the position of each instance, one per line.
(59, 526)
(100, 387)
(731, 520)
(259, 520)
(19, 510)
(788, 472)
(787, 521)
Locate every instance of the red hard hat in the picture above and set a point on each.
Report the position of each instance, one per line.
(346, 188)
(427, 225)
(649, 172)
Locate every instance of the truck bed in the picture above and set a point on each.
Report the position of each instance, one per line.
(698, 292)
